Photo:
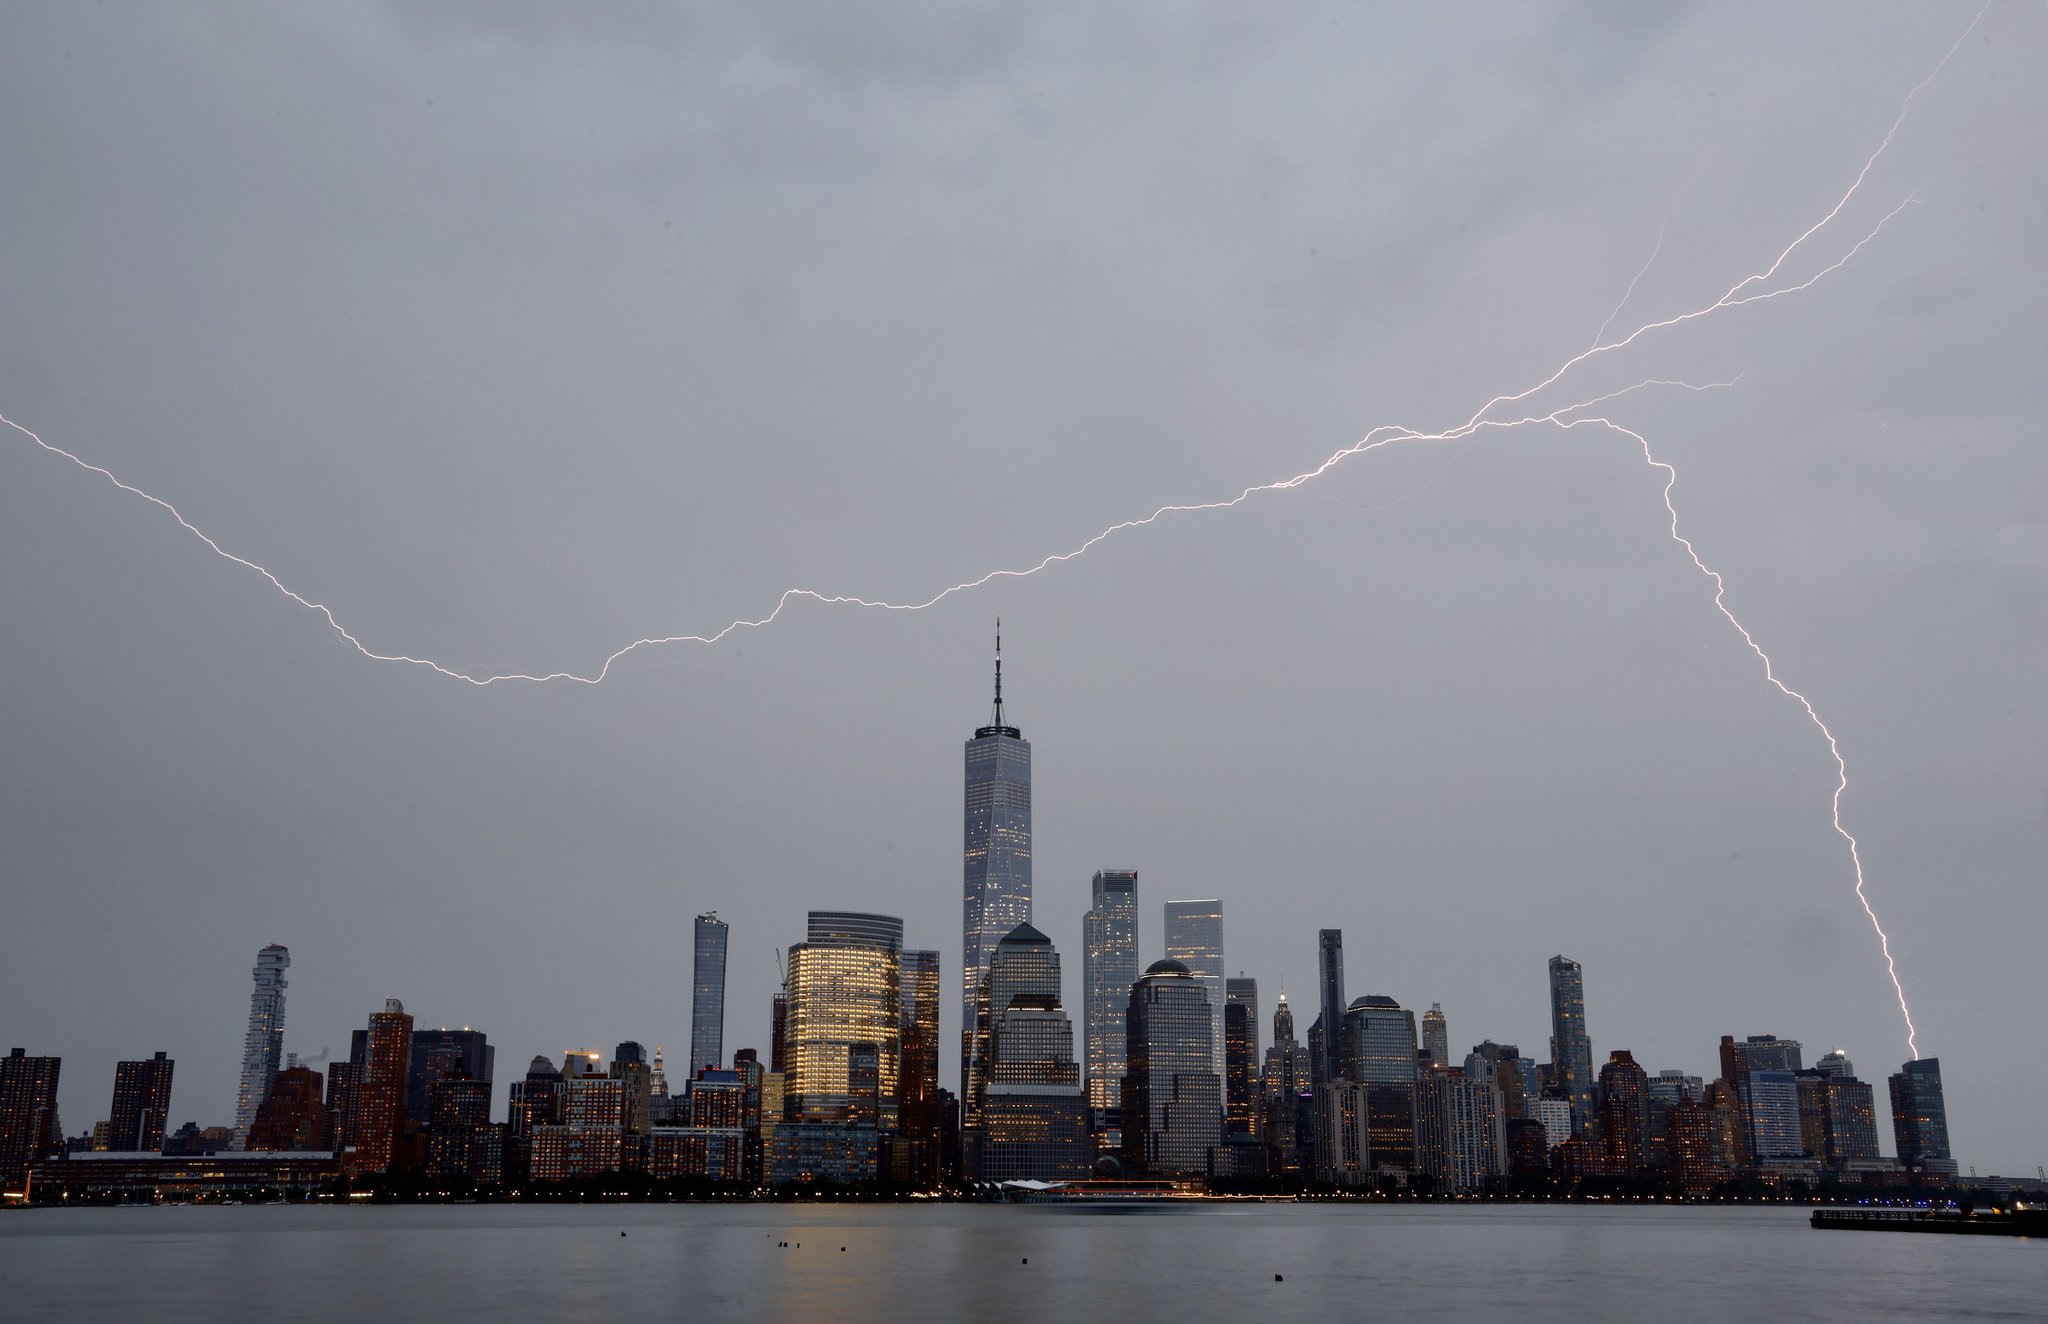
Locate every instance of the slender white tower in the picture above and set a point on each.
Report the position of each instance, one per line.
(264, 1043)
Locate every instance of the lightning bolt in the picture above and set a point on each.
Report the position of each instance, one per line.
(1754, 288)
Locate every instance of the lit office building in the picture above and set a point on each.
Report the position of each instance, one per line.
(1194, 937)
(1172, 1095)
(995, 854)
(845, 1003)
(1436, 1036)
(1109, 966)
(263, 1042)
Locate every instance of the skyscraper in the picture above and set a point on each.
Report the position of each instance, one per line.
(917, 1088)
(380, 1097)
(292, 1116)
(1436, 1035)
(995, 854)
(1243, 1113)
(28, 1115)
(707, 994)
(1109, 966)
(1460, 1125)
(1377, 1050)
(142, 1100)
(1289, 1094)
(1330, 984)
(1920, 1117)
(437, 1054)
(1760, 1072)
(263, 1044)
(845, 1017)
(1194, 937)
(1571, 1049)
(1032, 1113)
(1023, 964)
(1625, 1114)
(1172, 1096)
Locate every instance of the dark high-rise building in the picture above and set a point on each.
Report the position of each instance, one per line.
(380, 1096)
(1172, 1097)
(344, 1083)
(1289, 1095)
(1377, 1051)
(263, 1041)
(635, 1074)
(1460, 1127)
(29, 1129)
(292, 1117)
(1330, 984)
(1571, 1048)
(1023, 964)
(995, 855)
(439, 1053)
(1625, 1114)
(778, 1049)
(537, 1099)
(917, 1086)
(1242, 1098)
(142, 1101)
(707, 994)
(1920, 1117)
(1109, 966)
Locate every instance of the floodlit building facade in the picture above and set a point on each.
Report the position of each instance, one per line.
(845, 1013)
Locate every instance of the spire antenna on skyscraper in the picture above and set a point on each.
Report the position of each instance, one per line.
(999, 671)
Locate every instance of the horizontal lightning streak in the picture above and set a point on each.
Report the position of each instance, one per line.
(1741, 293)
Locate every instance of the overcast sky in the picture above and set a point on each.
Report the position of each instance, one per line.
(514, 335)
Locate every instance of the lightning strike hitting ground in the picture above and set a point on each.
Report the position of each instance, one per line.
(1744, 291)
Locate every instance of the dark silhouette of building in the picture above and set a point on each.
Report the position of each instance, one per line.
(1240, 1070)
(1571, 1048)
(1920, 1118)
(917, 1082)
(292, 1117)
(142, 1103)
(29, 1129)
(536, 1100)
(1330, 1018)
(436, 1054)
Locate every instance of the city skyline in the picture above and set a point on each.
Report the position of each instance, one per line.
(494, 381)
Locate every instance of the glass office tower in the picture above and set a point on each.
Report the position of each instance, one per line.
(995, 853)
(707, 994)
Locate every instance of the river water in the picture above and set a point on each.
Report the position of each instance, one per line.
(506, 1264)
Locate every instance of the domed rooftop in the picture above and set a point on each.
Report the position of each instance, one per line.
(1167, 967)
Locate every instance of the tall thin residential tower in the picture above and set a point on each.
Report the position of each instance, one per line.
(1330, 988)
(263, 1045)
(1109, 966)
(1571, 1048)
(995, 855)
(707, 995)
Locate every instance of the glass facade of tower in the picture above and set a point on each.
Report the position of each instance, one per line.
(1034, 1116)
(1194, 937)
(707, 994)
(995, 859)
(917, 1089)
(1172, 1095)
(1243, 1113)
(1376, 1049)
(263, 1043)
(1571, 1049)
(1920, 1115)
(1109, 966)
(1024, 965)
(1330, 990)
(844, 1020)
